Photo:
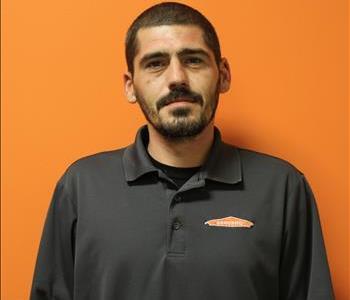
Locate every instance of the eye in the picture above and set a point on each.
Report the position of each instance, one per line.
(193, 61)
(155, 64)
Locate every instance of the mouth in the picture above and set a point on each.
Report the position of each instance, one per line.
(181, 101)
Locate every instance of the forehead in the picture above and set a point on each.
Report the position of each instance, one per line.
(169, 38)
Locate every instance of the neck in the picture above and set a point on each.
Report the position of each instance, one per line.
(186, 153)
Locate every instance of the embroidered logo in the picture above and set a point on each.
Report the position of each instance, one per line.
(230, 222)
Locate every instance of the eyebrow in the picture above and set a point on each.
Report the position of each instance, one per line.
(191, 51)
(182, 52)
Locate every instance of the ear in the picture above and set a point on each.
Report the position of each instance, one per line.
(225, 76)
(129, 88)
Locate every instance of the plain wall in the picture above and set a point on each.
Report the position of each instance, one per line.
(62, 98)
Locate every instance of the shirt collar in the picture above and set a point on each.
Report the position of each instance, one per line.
(223, 163)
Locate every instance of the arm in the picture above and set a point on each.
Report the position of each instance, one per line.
(304, 271)
(54, 270)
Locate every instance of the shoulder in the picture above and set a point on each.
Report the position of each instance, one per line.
(253, 158)
(94, 165)
(97, 160)
(268, 165)
(260, 168)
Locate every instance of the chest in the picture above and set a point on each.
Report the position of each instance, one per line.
(139, 227)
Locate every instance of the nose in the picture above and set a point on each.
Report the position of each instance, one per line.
(177, 74)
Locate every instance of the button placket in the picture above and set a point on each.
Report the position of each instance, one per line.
(176, 237)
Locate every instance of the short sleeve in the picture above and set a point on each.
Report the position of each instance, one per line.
(54, 270)
(304, 270)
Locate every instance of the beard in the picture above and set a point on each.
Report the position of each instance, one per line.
(182, 125)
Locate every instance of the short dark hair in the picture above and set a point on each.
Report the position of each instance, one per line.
(170, 13)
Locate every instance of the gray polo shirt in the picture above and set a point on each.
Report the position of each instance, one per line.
(245, 226)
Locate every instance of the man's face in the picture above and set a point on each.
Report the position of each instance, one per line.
(176, 80)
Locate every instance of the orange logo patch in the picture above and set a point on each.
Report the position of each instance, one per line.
(230, 222)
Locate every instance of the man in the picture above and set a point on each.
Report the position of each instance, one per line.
(180, 214)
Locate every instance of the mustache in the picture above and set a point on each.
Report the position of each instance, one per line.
(179, 93)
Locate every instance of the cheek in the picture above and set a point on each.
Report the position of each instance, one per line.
(206, 88)
(152, 84)
(148, 91)
(206, 83)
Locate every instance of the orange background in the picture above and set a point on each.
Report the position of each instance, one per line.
(62, 98)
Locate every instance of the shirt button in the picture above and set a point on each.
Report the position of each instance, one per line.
(177, 225)
(177, 198)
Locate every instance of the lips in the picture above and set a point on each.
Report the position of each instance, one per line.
(181, 100)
